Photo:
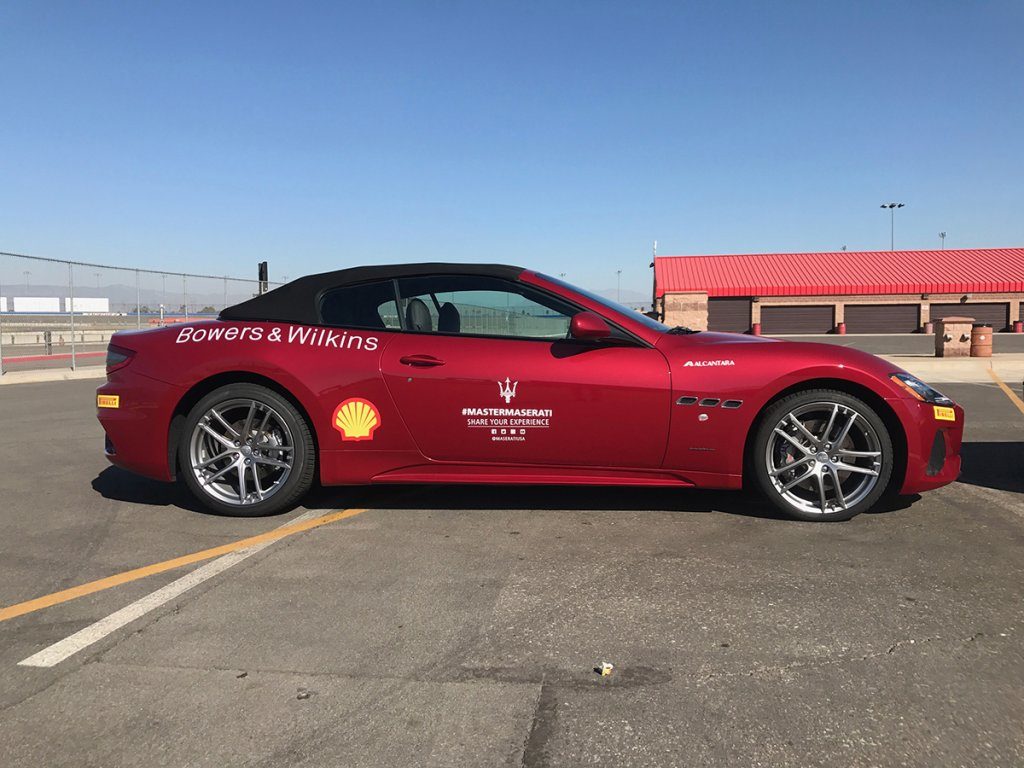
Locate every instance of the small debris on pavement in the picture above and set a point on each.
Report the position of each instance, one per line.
(241, 675)
(304, 694)
(604, 669)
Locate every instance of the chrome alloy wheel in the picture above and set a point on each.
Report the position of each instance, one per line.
(823, 457)
(241, 452)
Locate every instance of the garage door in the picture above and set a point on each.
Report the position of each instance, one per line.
(731, 315)
(812, 319)
(996, 315)
(881, 318)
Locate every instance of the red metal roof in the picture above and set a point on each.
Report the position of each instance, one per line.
(975, 270)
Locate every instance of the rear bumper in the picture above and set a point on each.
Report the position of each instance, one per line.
(136, 431)
(933, 445)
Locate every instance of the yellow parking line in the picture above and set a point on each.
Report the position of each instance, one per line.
(139, 573)
(1009, 392)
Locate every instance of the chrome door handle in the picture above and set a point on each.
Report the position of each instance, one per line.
(420, 361)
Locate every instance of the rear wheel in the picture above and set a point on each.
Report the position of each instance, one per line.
(246, 451)
(822, 455)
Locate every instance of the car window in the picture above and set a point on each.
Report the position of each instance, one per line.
(481, 306)
(370, 305)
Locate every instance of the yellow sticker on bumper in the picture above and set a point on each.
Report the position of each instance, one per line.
(944, 414)
(108, 401)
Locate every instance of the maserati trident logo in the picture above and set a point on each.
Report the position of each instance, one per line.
(507, 389)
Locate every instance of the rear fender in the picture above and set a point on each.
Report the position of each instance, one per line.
(284, 384)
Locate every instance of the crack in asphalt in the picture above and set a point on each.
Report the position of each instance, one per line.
(535, 750)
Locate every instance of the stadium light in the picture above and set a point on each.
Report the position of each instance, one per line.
(892, 222)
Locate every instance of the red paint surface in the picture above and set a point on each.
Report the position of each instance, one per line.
(980, 270)
(611, 408)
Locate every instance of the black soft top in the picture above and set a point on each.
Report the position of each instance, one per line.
(299, 300)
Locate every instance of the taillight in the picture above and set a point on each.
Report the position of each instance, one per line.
(118, 357)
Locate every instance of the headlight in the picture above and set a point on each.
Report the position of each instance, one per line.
(919, 390)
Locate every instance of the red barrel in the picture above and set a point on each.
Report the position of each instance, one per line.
(841, 329)
(1018, 326)
(981, 340)
(756, 329)
(929, 327)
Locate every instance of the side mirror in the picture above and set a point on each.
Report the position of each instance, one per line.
(589, 326)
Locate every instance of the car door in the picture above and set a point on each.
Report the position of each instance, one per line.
(484, 372)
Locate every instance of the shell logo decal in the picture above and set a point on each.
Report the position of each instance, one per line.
(356, 419)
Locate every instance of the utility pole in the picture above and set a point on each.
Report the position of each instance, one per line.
(618, 285)
(942, 237)
(892, 223)
(654, 279)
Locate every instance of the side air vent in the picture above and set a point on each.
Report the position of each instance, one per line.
(732, 403)
(937, 458)
(709, 402)
(687, 400)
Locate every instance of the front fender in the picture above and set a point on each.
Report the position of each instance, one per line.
(713, 439)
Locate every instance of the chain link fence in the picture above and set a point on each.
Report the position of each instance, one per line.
(56, 313)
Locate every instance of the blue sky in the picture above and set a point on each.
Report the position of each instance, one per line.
(561, 136)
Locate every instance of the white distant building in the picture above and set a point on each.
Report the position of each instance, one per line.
(86, 304)
(3, 303)
(36, 304)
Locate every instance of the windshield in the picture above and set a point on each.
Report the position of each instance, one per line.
(640, 317)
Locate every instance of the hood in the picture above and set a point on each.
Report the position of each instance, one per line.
(770, 357)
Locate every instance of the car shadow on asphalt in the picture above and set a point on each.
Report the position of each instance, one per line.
(571, 498)
(548, 497)
(120, 485)
(993, 465)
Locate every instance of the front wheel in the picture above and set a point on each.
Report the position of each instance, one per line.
(246, 451)
(822, 455)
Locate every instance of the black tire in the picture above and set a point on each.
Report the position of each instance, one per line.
(289, 421)
(838, 485)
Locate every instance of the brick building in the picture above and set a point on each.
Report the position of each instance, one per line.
(867, 291)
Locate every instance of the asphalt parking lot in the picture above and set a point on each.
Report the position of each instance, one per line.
(461, 626)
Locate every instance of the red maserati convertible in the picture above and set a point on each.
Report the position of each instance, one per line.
(457, 373)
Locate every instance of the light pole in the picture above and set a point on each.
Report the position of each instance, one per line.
(892, 223)
(27, 275)
(618, 285)
(942, 237)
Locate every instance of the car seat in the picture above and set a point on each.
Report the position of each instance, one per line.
(417, 317)
(448, 318)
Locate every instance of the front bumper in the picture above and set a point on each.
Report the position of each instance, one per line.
(933, 444)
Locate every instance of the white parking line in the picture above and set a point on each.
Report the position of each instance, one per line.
(82, 639)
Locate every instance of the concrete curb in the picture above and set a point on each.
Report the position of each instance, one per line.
(60, 374)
